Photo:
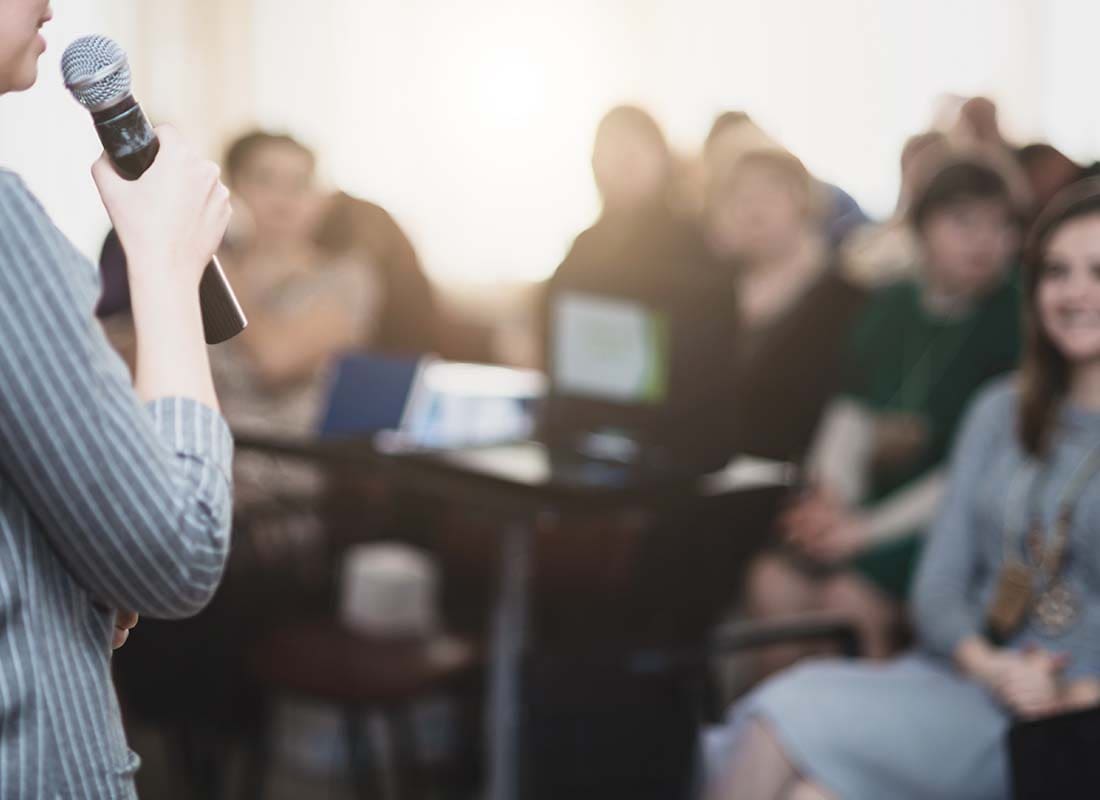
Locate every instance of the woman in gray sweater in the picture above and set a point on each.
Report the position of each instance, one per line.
(1007, 598)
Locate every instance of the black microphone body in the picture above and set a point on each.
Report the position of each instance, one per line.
(96, 64)
(127, 137)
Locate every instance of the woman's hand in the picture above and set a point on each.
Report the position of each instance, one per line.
(170, 220)
(1080, 694)
(125, 621)
(1029, 683)
(825, 528)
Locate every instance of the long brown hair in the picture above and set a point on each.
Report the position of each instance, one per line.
(1044, 373)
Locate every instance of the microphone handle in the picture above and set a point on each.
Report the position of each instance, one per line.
(132, 145)
(222, 316)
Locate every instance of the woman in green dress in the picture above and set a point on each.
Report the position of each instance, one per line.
(918, 353)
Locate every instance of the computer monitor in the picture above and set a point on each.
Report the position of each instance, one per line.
(610, 349)
(642, 378)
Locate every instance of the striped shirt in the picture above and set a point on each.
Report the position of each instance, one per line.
(104, 504)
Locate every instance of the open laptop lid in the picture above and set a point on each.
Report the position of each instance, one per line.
(427, 402)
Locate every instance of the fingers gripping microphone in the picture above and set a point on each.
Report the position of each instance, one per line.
(97, 73)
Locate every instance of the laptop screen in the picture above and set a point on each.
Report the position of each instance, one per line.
(460, 405)
(430, 403)
(609, 349)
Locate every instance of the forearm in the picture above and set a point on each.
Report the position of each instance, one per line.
(172, 359)
(912, 509)
(977, 659)
(839, 455)
(1081, 693)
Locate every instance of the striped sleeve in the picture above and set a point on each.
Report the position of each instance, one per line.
(135, 499)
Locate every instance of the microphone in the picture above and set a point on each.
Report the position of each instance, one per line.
(97, 73)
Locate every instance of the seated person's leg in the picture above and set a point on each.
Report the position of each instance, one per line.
(758, 768)
(776, 589)
(910, 729)
(872, 611)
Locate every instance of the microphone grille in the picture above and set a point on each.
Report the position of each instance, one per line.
(96, 71)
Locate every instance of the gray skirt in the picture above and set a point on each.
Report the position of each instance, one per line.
(910, 729)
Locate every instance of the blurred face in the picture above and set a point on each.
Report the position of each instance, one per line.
(20, 42)
(967, 246)
(1068, 291)
(758, 216)
(630, 168)
(275, 185)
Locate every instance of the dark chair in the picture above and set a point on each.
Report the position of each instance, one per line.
(625, 723)
(311, 656)
(362, 677)
(1056, 757)
(207, 684)
(624, 631)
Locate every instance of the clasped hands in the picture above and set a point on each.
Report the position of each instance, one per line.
(1029, 683)
(823, 527)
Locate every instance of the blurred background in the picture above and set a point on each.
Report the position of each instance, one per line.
(801, 222)
(472, 123)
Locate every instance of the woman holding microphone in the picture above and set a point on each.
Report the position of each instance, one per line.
(115, 497)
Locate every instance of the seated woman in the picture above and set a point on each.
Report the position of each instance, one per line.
(762, 222)
(317, 274)
(1007, 600)
(638, 244)
(734, 132)
(919, 352)
(306, 305)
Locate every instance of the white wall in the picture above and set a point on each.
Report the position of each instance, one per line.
(844, 82)
(48, 138)
(472, 121)
(1069, 108)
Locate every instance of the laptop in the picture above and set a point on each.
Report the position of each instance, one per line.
(637, 390)
(427, 403)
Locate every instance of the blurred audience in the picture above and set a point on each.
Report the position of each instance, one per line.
(919, 352)
(305, 305)
(880, 253)
(858, 348)
(319, 275)
(933, 723)
(734, 133)
(763, 222)
(639, 243)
